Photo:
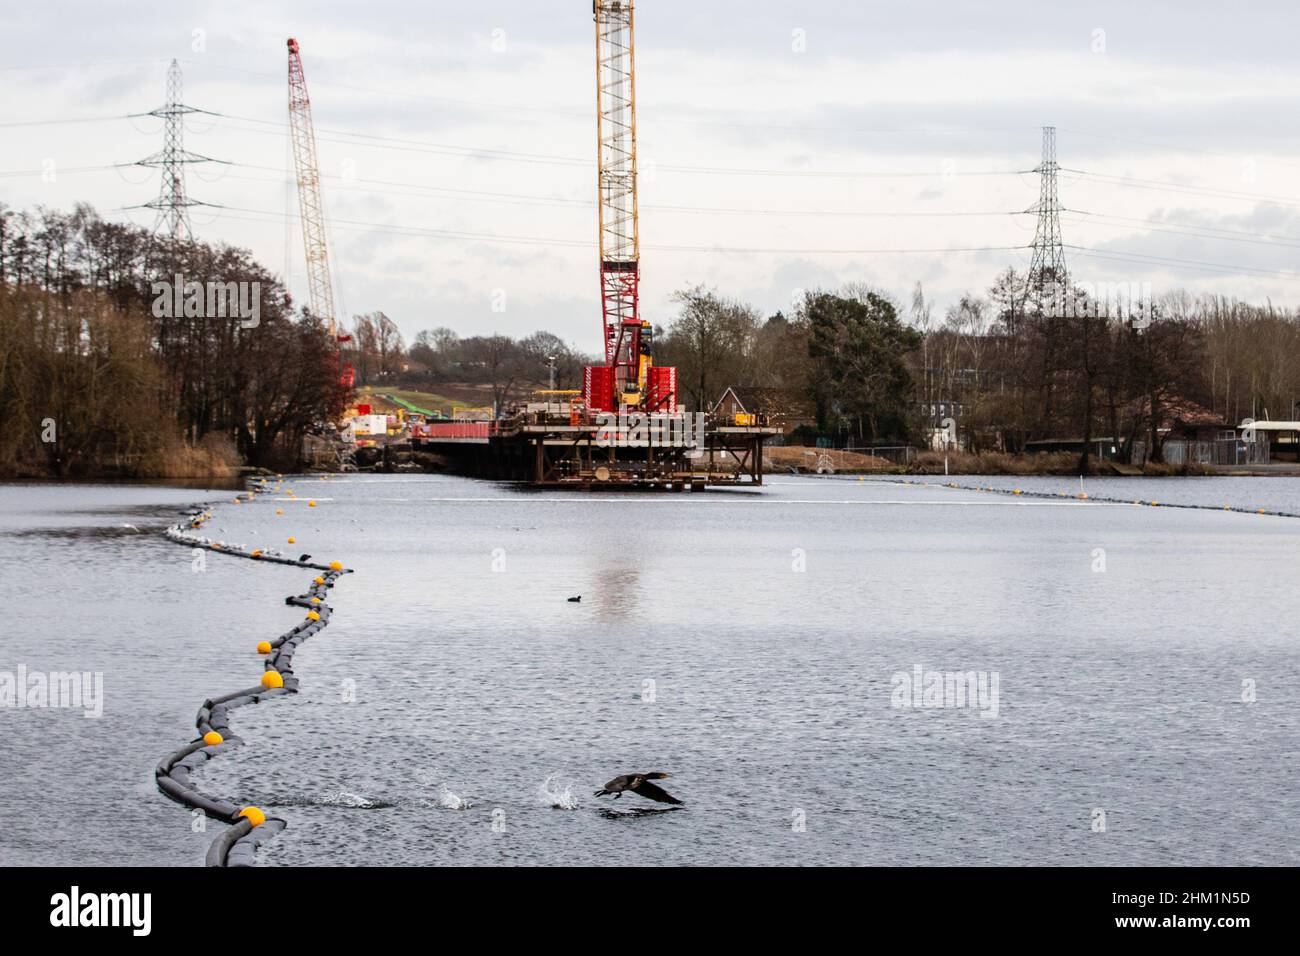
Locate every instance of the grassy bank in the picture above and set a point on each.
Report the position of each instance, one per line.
(434, 402)
(212, 459)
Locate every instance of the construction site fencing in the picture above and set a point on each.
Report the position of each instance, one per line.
(1227, 451)
(896, 454)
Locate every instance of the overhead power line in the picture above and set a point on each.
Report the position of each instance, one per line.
(1191, 230)
(1165, 186)
(1144, 258)
(398, 229)
(526, 199)
(14, 124)
(403, 144)
(1170, 147)
(62, 170)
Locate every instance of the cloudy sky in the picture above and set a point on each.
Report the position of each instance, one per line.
(783, 145)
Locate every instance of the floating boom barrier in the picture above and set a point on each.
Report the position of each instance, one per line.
(249, 826)
(1083, 496)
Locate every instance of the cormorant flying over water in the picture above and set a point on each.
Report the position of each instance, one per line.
(638, 783)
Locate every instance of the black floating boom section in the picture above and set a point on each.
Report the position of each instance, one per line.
(249, 826)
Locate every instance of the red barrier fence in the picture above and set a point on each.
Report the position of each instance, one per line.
(436, 430)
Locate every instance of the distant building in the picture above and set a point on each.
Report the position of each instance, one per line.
(1188, 432)
(1280, 440)
(1188, 421)
(729, 405)
(786, 408)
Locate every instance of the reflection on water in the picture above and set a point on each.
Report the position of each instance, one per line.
(616, 596)
(745, 643)
(609, 813)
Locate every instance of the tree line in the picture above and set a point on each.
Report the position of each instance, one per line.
(1032, 359)
(1029, 360)
(96, 378)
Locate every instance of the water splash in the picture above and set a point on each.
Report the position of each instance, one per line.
(450, 801)
(346, 798)
(556, 796)
(447, 800)
(333, 798)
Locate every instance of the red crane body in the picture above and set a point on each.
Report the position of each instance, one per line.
(628, 377)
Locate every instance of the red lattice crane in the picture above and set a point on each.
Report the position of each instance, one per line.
(311, 209)
(628, 377)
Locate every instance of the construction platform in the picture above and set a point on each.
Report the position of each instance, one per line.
(676, 452)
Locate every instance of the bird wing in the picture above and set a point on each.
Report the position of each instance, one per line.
(618, 783)
(647, 789)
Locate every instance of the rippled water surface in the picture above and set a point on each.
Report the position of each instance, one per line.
(459, 710)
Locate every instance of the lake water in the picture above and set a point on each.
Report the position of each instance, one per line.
(745, 641)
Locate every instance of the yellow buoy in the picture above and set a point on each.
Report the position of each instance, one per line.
(279, 511)
(272, 679)
(291, 540)
(257, 552)
(212, 738)
(317, 580)
(313, 616)
(253, 815)
(336, 565)
(264, 647)
(311, 504)
(315, 600)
